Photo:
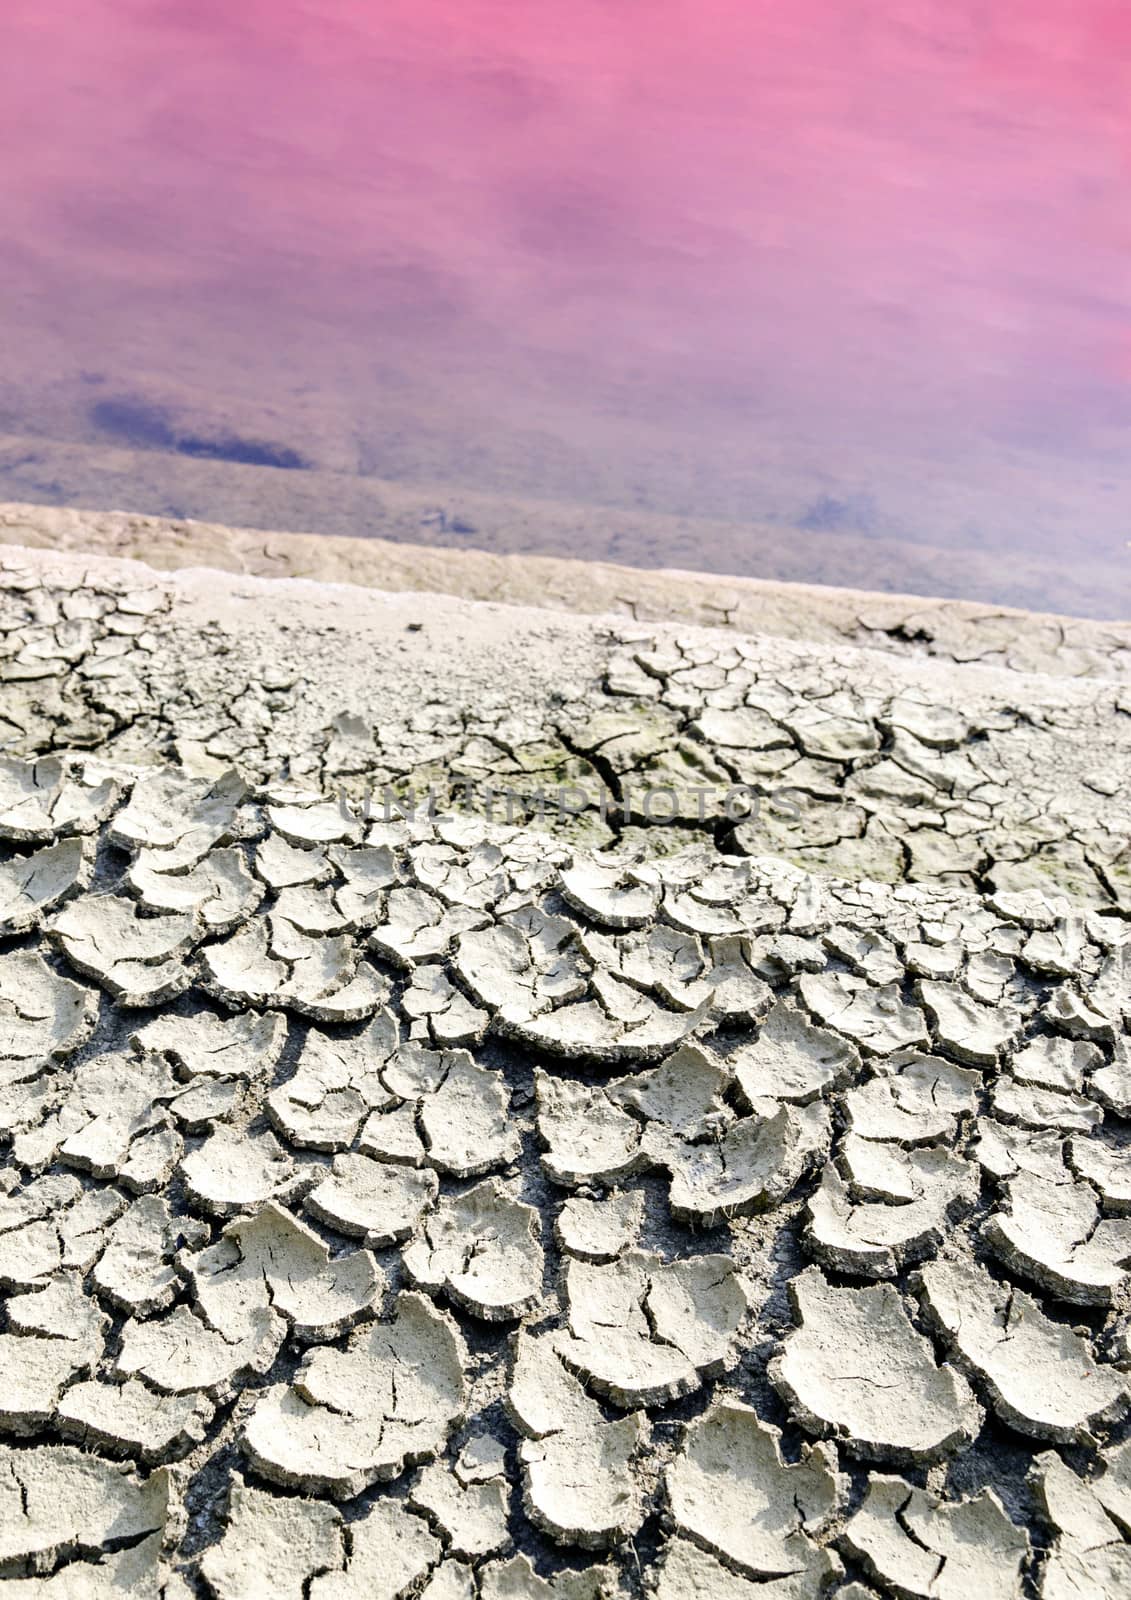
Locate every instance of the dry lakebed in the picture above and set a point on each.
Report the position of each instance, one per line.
(532, 1102)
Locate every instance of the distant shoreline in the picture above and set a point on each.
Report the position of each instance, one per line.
(174, 488)
(955, 630)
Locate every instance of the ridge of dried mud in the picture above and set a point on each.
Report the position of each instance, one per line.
(573, 1205)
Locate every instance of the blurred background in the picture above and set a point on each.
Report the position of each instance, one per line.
(810, 291)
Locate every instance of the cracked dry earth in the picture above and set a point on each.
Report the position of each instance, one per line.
(574, 1206)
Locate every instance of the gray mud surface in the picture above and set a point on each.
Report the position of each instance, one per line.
(722, 1196)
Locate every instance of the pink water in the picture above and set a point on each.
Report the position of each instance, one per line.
(862, 269)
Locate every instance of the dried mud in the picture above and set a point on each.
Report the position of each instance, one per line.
(576, 1204)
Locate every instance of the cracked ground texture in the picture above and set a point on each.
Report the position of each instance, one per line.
(574, 1203)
